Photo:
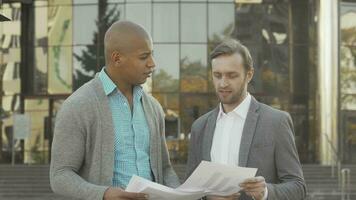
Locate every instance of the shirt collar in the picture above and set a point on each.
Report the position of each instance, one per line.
(241, 110)
(110, 86)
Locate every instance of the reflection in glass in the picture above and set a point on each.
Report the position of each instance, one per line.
(36, 147)
(90, 58)
(84, 24)
(165, 22)
(193, 68)
(60, 70)
(192, 107)
(59, 2)
(11, 71)
(84, 64)
(166, 75)
(40, 74)
(167, 100)
(85, 1)
(140, 13)
(11, 31)
(272, 27)
(193, 29)
(348, 24)
(221, 21)
(60, 25)
(348, 77)
(41, 14)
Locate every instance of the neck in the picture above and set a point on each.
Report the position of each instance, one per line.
(231, 106)
(122, 85)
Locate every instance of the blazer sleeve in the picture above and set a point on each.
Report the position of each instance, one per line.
(289, 171)
(68, 150)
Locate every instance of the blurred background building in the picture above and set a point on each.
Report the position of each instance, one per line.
(304, 55)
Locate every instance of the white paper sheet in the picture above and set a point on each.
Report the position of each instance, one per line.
(207, 179)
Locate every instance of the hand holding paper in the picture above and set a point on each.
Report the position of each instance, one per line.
(207, 179)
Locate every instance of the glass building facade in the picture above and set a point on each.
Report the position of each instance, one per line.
(52, 47)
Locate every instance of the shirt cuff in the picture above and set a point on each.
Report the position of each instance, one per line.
(266, 194)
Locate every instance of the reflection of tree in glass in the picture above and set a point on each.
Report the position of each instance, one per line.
(193, 76)
(92, 58)
(348, 75)
(164, 82)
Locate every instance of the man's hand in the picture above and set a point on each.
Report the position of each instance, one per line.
(232, 197)
(119, 194)
(254, 187)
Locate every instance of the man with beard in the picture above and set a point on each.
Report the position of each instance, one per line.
(243, 132)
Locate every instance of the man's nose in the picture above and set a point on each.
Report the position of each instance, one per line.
(151, 62)
(223, 82)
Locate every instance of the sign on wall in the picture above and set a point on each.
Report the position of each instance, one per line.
(22, 126)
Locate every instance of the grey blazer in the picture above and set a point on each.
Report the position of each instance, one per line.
(267, 143)
(83, 145)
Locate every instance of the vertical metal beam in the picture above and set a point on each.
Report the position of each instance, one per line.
(328, 78)
(27, 57)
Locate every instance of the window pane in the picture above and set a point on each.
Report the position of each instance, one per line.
(85, 1)
(60, 2)
(193, 29)
(165, 25)
(168, 100)
(116, 1)
(348, 24)
(11, 77)
(272, 27)
(85, 26)
(140, 13)
(60, 70)
(40, 77)
(166, 75)
(60, 25)
(36, 147)
(11, 29)
(219, 1)
(192, 107)
(41, 16)
(347, 77)
(221, 21)
(193, 68)
(84, 64)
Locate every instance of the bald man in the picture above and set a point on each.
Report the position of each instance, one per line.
(110, 129)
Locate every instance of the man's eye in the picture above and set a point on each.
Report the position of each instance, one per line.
(217, 75)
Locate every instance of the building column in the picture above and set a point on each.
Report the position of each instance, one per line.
(328, 47)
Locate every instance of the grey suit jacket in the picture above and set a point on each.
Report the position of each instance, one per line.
(83, 145)
(267, 143)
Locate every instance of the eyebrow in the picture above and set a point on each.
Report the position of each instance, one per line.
(146, 53)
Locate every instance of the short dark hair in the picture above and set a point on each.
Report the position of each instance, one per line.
(232, 46)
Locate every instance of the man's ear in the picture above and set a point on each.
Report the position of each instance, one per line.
(250, 74)
(116, 57)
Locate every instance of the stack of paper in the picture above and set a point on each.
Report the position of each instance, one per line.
(207, 179)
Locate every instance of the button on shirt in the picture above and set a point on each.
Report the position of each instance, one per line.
(131, 146)
(227, 136)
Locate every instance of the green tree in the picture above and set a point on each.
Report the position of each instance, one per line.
(93, 57)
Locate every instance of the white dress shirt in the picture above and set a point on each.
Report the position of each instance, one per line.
(228, 132)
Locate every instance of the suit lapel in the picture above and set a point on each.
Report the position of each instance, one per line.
(208, 135)
(248, 132)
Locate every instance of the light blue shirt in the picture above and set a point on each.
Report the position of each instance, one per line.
(132, 144)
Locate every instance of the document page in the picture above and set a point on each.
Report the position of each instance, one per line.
(207, 179)
(217, 179)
